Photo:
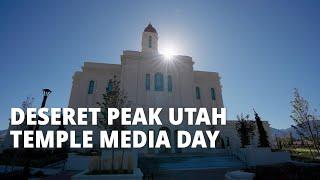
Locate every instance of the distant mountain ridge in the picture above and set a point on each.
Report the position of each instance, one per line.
(285, 132)
(3, 132)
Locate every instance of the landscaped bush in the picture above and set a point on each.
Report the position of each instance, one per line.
(118, 164)
(286, 171)
(36, 157)
(12, 175)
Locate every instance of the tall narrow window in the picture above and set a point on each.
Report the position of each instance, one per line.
(110, 86)
(150, 42)
(169, 83)
(158, 82)
(213, 94)
(91, 87)
(198, 92)
(148, 82)
(228, 141)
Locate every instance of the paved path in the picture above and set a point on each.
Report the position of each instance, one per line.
(208, 174)
(66, 175)
(189, 166)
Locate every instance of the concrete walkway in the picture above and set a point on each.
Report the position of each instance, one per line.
(189, 166)
(66, 175)
(206, 174)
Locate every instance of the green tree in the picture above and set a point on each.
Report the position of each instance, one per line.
(245, 129)
(263, 137)
(114, 97)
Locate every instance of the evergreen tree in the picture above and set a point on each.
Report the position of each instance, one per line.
(222, 143)
(228, 141)
(245, 129)
(263, 137)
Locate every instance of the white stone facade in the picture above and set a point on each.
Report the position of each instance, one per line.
(133, 72)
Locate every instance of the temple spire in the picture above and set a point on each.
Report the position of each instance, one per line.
(149, 39)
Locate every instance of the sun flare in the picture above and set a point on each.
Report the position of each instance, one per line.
(168, 55)
(168, 51)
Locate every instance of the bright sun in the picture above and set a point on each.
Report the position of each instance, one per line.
(168, 52)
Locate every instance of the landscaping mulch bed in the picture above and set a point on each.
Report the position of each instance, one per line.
(286, 171)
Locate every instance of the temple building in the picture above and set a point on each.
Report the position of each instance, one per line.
(151, 79)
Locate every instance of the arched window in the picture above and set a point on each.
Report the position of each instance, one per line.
(158, 82)
(110, 86)
(150, 42)
(147, 81)
(198, 92)
(169, 83)
(213, 94)
(91, 87)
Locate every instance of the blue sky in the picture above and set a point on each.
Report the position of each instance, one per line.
(262, 49)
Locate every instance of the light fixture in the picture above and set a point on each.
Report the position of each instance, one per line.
(46, 92)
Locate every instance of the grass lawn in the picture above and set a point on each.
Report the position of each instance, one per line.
(304, 154)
